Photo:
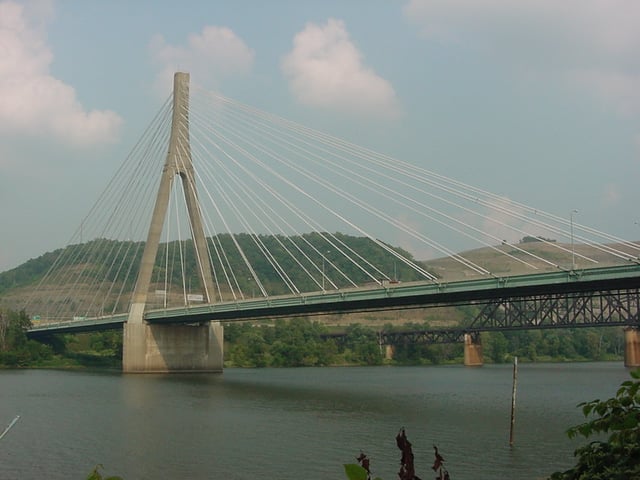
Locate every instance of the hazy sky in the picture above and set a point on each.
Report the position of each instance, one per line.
(537, 100)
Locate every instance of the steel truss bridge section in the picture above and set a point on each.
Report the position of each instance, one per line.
(619, 307)
(425, 337)
(566, 310)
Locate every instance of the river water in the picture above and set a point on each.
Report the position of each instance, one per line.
(294, 423)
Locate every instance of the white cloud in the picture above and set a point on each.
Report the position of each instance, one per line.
(32, 101)
(325, 69)
(591, 44)
(210, 56)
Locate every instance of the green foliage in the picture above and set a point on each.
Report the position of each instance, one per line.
(106, 343)
(617, 458)
(355, 472)
(302, 250)
(16, 350)
(302, 343)
(27, 272)
(96, 475)
(292, 343)
(362, 346)
(496, 347)
(99, 349)
(570, 344)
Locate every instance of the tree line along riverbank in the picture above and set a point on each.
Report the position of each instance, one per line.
(302, 342)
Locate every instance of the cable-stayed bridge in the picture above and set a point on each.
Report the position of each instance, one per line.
(160, 251)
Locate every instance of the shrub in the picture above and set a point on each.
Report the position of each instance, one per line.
(619, 456)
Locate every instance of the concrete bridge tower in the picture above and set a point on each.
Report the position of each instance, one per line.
(173, 348)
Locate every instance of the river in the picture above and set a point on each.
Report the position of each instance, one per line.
(294, 423)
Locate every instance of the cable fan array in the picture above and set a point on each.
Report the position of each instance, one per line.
(287, 209)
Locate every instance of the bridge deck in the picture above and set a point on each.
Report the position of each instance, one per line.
(411, 295)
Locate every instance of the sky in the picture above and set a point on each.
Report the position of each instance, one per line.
(536, 100)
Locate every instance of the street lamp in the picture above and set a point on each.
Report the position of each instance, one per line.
(253, 286)
(573, 253)
(323, 271)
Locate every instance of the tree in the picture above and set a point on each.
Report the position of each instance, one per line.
(4, 325)
(617, 458)
(497, 347)
(363, 345)
(19, 323)
(16, 349)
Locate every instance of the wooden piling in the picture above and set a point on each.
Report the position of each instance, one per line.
(513, 399)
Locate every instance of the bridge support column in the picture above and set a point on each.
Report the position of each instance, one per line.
(388, 352)
(172, 348)
(632, 347)
(472, 350)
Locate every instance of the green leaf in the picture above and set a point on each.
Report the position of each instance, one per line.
(95, 474)
(617, 457)
(355, 472)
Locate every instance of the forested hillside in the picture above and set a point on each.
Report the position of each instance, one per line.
(129, 253)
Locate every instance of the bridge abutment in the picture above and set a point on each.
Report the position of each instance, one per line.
(472, 351)
(632, 347)
(172, 348)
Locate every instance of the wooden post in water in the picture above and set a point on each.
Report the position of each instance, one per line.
(513, 399)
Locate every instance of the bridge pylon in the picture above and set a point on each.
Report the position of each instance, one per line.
(173, 348)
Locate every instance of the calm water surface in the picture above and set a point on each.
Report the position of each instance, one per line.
(294, 423)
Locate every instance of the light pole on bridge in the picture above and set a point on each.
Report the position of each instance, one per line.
(573, 253)
(323, 259)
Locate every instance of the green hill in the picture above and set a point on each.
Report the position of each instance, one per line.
(94, 260)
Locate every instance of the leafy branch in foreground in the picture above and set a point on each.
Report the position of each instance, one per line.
(619, 456)
(361, 470)
(96, 475)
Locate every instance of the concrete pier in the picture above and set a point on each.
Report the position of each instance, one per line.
(172, 348)
(632, 347)
(388, 352)
(472, 351)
